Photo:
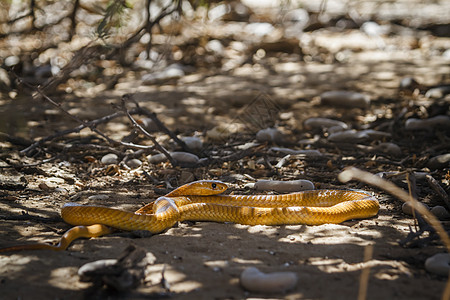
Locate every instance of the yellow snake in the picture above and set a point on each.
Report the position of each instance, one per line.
(200, 201)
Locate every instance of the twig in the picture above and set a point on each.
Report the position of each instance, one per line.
(438, 189)
(139, 127)
(160, 124)
(89, 124)
(365, 273)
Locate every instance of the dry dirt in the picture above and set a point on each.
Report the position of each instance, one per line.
(204, 260)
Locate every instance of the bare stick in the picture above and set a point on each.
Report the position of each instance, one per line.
(365, 273)
(438, 189)
(89, 124)
(139, 127)
(354, 173)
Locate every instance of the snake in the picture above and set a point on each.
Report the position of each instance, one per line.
(204, 201)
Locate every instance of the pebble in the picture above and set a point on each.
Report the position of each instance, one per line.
(215, 46)
(284, 186)
(345, 98)
(348, 136)
(306, 152)
(439, 162)
(179, 157)
(408, 210)
(148, 124)
(389, 148)
(254, 280)
(440, 212)
(218, 134)
(98, 197)
(173, 71)
(193, 142)
(134, 163)
(428, 124)
(259, 29)
(271, 135)
(438, 92)
(324, 123)
(110, 159)
(438, 264)
(88, 270)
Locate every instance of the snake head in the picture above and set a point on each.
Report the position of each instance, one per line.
(200, 188)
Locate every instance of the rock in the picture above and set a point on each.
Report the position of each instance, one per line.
(216, 47)
(218, 134)
(148, 125)
(307, 152)
(87, 271)
(98, 197)
(134, 163)
(345, 99)
(271, 135)
(440, 212)
(179, 157)
(259, 29)
(324, 123)
(348, 136)
(110, 159)
(439, 162)
(193, 142)
(254, 280)
(438, 92)
(284, 186)
(173, 71)
(375, 134)
(389, 148)
(438, 264)
(408, 210)
(428, 124)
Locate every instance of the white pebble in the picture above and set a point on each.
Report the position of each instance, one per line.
(348, 136)
(427, 124)
(110, 159)
(179, 157)
(345, 99)
(438, 92)
(193, 142)
(324, 123)
(254, 280)
(284, 186)
(440, 212)
(134, 163)
(98, 197)
(440, 161)
(271, 135)
(173, 71)
(389, 148)
(438, 264)
(306, 152)
(408, 210)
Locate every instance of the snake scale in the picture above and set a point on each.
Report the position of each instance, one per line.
(202, 201)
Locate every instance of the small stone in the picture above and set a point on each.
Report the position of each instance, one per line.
(440, 212)
(439, 162)
(134, 163)
(428, 124)
(254, 280)
(438, 92)
(407, 208)
(345, 99)
(271, 135)
(284, 186)
(348, 136)
(438, 264)
(324, 123)
(193, 142)
(173, 71)
(98, 197)
(179, 157)
(389, 148)
(110, 159)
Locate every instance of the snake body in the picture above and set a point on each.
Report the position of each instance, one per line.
(201, 201)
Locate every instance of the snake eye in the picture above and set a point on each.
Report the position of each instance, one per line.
(214, 185)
